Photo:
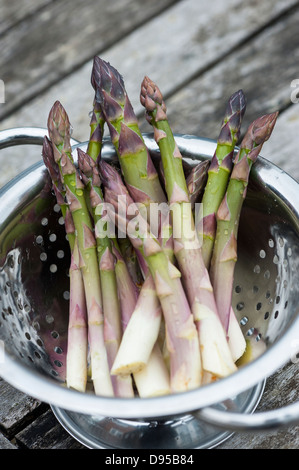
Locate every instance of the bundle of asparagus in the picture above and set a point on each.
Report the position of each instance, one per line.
(150, 287)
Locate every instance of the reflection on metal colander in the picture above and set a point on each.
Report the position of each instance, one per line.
(34, 285)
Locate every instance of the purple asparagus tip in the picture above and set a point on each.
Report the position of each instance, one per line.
(85, 163)
(47, 152)
(58, 118)
(105, 78)
(262, 127)
(237, 106)
(111, 178)
(152, 100)
(50, 163)
(233, 116)
(59, 129)
(257, 134)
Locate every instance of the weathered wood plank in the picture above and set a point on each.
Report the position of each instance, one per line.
(194, 47)
(16, 408)
(12, 13)
(282, 148)
(46, 433)
(62, 37)
(191, 52)
(5, 443)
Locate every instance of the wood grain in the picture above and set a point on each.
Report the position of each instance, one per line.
(282, 148)
(193, 51)
(46, 433)
(12, 13)
(16, 408)
(198, 40)
(56, 41)
(5, 443)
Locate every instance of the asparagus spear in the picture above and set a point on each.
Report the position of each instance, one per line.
(147, 312)
(141, 332)
(147, 297)
(153, 379)
(139, 173)
(218, 176)
(136, 164)
(76, 357)
(196, 181)
(182, 338)
(90, 169)
(131, 259)
(220, 169)
(77, 346)
(154, 370)
(97, 122)
(111, 307)
(59, 133)
(225, 249)
(216, 355)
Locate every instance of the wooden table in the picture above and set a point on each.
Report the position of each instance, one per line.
(199, 52)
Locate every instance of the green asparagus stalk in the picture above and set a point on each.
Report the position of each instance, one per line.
(182, 337)
(97, 123)
(121, 276)
(236, 340)
(136, 164)
(175, 181)
(77, 347)
(218, 176)
(220, 169)
(59, 133)
(215, 352)
(121, 280)
(228, 215)
(122, 382)
(53, 170)
(140, 175)
(139, 172)
(122, 386)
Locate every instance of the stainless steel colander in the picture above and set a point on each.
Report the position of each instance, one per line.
(34, 261)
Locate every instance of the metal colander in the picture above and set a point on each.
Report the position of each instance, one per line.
(34, 262)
